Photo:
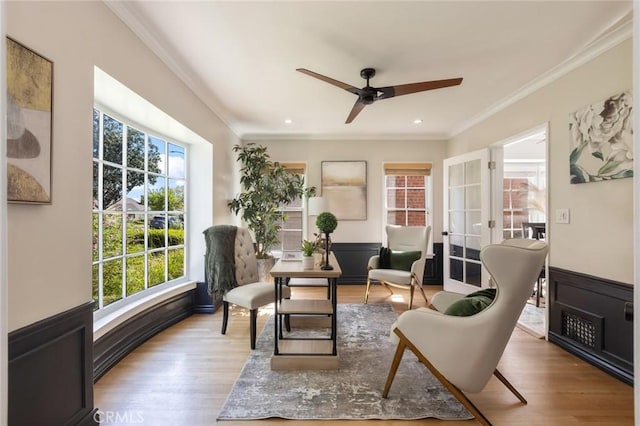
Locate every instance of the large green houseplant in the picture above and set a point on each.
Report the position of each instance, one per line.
(265, 187)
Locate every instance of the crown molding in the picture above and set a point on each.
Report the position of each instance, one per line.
(132, 20)
(301, 137)
(614, 35)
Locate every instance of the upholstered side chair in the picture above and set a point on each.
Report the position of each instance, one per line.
(249, 293)
(401, 239)
(463, 351)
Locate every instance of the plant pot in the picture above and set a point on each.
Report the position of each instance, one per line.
(264, 267)
(307, 262)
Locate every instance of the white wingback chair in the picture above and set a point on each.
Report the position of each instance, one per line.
(401, 238)
(250, 292)
(463, 352)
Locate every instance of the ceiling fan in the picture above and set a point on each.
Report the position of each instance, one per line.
(368, 95)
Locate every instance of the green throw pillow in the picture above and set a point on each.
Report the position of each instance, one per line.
(472, 303)
(402, 260)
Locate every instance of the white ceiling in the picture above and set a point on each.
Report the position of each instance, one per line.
(240, 58)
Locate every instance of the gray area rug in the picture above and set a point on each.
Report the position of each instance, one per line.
(352, 392)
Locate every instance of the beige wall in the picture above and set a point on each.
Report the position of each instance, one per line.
(599, 239)
(49, 247)
(375, 153)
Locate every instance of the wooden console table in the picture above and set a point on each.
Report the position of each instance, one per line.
(305, 353)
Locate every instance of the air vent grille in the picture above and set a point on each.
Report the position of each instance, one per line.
(579, 329)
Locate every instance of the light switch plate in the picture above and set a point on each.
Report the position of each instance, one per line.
(562, 215)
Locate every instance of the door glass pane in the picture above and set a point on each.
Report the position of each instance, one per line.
(472, 171)
(456, 198)
(456, 223)
(474, 271)
(456, 245)
(473, 248)
(455, 269)
(456, 177)
(472, 197)
(473, 223)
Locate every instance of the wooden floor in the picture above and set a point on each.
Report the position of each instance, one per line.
(182, 377)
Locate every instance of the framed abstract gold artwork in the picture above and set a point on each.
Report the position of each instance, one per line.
(344, 184)
(29, 125)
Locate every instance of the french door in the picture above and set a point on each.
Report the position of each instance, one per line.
(466, 215)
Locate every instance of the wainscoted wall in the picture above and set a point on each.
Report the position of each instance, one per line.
(51, 370)
(593, 319)
(117, 343)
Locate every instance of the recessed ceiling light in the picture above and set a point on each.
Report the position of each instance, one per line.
(288, 121)
(417, 121)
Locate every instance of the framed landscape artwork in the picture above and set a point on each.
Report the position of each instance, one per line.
(29, 118)
(602, 140)
(344, 183)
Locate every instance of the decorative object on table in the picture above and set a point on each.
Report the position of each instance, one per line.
(602, 140)
(317, 205)
(349, 393)
(344, 183)
(29, 125)
(266, 186)
(308, 248)
(327, 223)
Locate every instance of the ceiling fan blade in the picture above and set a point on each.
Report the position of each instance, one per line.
(345, 86)
(357, 107)
(405, 89)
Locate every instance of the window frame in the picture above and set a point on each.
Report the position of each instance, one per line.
(103, 311)
(299, 168)
(428, 194)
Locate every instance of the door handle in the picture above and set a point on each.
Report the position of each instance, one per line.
(445, 233)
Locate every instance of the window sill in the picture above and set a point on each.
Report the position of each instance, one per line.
(107, 323)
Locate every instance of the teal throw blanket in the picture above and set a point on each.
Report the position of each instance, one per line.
(220, 271)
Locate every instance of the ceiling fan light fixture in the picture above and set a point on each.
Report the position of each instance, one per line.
(368, 95)
(417, 121)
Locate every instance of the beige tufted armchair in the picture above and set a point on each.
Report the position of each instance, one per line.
(250, 293)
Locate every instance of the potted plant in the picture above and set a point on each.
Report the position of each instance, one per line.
(327, 223)
(266, 186)
(308, 248)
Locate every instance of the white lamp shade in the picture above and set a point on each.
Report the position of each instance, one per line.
(318, 205)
